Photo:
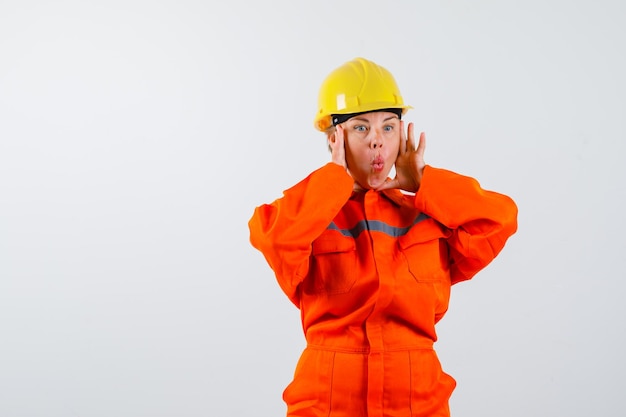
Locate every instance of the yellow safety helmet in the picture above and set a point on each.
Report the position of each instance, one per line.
(358, 86)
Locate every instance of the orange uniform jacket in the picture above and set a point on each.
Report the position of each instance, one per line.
(371, 274)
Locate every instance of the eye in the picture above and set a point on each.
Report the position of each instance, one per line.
(388, 128)
(360, 128)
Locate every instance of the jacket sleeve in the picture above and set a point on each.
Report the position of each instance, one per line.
(481, 221)
(285, 229)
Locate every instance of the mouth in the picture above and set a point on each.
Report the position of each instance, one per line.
(378, 163)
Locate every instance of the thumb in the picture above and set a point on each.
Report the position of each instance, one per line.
(389, 184)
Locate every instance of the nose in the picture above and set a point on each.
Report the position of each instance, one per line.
(377, 139)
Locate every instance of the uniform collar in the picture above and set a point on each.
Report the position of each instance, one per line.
(394, 195)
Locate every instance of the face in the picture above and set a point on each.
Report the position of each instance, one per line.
(372, 141)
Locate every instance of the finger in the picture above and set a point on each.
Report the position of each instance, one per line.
(395, 183)
(402, 138)
(339, 135)
(422, 144)
(411, 142)
(337, 147)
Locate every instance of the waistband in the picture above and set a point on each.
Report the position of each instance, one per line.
(426, 345)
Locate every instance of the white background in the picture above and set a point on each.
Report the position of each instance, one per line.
(136, 138)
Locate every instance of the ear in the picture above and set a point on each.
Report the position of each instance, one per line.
(329, 136)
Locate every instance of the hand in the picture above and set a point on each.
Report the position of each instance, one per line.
(409, 163)
(337, 147)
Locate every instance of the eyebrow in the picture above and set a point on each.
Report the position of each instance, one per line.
(366, 120)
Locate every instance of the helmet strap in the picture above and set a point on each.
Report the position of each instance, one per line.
(340, 118)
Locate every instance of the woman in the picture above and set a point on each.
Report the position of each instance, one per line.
(370, 260)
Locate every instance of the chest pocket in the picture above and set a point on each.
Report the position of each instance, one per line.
(426, 251)
(333, 265)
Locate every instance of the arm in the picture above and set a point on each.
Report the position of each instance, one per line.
(481, 221)
(285, 229)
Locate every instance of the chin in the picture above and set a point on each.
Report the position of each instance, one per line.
(371, 182)
(375, 184)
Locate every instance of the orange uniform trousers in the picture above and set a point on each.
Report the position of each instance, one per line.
(371, 273)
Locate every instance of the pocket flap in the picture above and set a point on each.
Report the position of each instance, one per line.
(424, 231)
(333, 244)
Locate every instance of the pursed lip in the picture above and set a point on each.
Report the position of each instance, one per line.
(378, 163)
